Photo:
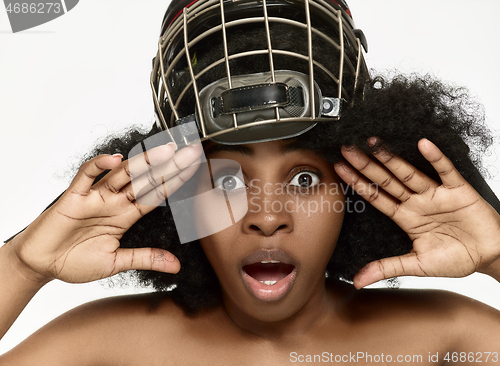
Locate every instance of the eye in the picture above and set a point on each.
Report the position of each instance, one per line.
(305, 179)
(229, 182)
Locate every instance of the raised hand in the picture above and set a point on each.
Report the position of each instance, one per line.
(455, 232)
(77, 239)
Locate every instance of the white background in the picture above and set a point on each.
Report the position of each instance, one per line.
(65, 84)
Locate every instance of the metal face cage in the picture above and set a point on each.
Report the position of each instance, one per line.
(268, 105)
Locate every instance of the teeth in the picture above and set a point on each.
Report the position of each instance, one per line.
(273, 262)
(269, 283)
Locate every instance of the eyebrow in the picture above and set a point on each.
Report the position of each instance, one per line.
(290, 146)
(293, 146)
(241, 149)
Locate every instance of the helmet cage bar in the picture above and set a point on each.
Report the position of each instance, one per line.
(270, 51)
(358, 66)
(268, 121)
(191, 71)
(256, 20)
(310, 58)
(244, 21)
(173, 32)
(167, 58)
(243, 54)
(252, 53)
(342, 52)
(160, 87)
(226, 61)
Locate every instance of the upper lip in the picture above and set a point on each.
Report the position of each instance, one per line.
(268, 255)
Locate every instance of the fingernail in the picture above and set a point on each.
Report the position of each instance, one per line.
(120, 155)
(164, 256)
(172, 144)
(427, 144)
(372, 141)
(347, 148)
(346, 168)
(169, 257)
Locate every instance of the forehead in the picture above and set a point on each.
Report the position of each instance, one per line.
(280, 147)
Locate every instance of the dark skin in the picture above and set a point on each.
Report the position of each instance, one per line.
(311, 318)
(110, 331)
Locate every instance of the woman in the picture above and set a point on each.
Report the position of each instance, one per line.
(272, 149)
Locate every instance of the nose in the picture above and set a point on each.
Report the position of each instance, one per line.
(267, 215)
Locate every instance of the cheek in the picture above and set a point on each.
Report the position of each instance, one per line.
(322, 219)
(214, 212)
(218, 249)
(213, 254)
(212, 247)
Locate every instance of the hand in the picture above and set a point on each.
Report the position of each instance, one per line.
(78, 238)
(455, 232)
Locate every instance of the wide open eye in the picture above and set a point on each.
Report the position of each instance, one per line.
(229, 182)
(305, 179)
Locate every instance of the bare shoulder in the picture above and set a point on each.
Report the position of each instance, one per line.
(447, 320)
(107, 331)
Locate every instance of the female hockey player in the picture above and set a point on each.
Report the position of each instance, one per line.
(266, 116)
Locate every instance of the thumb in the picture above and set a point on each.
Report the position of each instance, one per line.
(153, 259)
(383, 269)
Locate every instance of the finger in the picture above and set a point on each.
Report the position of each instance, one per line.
(376, 173)
(383, 269)
(449, 175)
(159, 175)
(89, 171)
(153, 198)
(187, 155)
(138, 165)
(378, 198)
(153, 259)
(406, 173)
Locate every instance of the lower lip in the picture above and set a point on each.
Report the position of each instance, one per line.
(269, 292)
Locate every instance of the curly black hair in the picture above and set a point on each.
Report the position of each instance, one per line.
(400, 111)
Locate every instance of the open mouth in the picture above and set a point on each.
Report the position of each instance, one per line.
(268, 272)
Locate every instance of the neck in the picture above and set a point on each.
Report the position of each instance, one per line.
(280, 326)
